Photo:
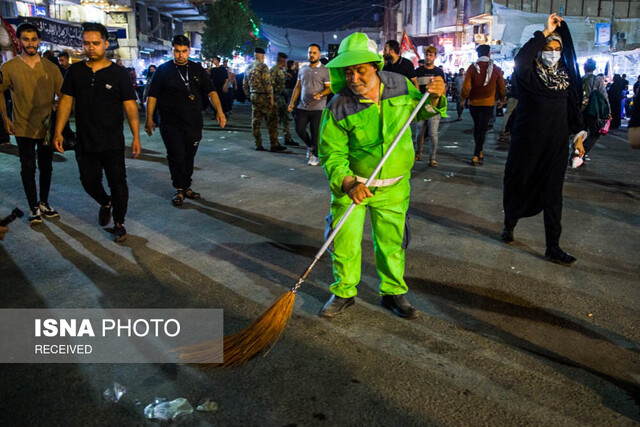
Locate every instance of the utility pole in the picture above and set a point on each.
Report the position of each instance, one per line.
(613, 12)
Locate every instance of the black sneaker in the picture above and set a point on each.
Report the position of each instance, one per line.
(277, 148)
(399, 305)
(47, 211)
(558, 256)
(104, 216)
(119, 233)
(291, 143)
(507, 236)
(259, 148)
(335, 306)
(34, 216)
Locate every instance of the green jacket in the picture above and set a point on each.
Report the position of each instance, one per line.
(355, 132)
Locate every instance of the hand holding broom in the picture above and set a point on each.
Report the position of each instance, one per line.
(263, 332)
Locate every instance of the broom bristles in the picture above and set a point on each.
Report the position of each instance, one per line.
(246, 343)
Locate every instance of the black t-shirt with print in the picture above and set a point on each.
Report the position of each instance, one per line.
(423, 72)
(180, 105)
(98, 109)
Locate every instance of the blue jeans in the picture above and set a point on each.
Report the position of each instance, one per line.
(432, 124)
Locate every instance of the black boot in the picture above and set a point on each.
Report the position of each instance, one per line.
(399, 305)
(507, 236)
(335, 306)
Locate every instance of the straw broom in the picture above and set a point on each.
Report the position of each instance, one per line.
(265, 331)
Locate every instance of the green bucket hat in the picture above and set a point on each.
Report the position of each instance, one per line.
(354, 49)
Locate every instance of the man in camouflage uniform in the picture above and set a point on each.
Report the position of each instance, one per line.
(277, 79)
(257, 86)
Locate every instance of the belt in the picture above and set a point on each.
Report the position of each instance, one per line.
(260, 93)
(380, 182)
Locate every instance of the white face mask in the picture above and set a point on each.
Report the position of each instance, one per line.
(550, 58)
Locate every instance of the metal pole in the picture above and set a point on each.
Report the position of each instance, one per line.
(613, 12)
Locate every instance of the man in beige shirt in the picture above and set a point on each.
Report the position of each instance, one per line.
(33, 83)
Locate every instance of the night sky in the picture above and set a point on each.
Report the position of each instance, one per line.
(317, 15)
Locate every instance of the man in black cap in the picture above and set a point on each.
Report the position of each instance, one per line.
(257, 86)
(180, 87)
(278, 80)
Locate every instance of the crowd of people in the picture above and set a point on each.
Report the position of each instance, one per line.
(343, 110)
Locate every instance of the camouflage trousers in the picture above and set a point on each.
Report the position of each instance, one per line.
(261, 108)
(284, 117)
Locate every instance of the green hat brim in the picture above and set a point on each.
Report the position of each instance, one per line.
(347, 59)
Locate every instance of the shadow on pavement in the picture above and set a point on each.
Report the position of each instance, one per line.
(552, 337)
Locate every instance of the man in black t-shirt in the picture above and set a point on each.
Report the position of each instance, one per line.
(180, 88)
(397, 64)
(424, 75)
(220, 79)
(101, 90)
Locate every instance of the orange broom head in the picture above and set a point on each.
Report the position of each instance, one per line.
(246, 343)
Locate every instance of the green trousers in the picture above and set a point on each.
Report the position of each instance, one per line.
(388, 209)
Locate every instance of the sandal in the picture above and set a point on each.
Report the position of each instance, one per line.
(178, 198)
(190, 194)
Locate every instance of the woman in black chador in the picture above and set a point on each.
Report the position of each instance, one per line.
(549, 95)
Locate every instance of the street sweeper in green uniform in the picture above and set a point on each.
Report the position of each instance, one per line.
(369, 109)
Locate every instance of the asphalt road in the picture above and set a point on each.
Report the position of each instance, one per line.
(503, 338)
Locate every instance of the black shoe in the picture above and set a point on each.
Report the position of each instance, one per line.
(335, 306)
(559, 256)
(399, 305)
(104, 216)
(119, 233)
(277, 148)
(507, 236)
(259, 148)
(291, 143)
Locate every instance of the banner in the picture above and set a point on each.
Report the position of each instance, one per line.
(65, 33)
(603, 34)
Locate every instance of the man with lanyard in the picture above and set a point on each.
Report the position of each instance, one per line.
(34, 83)
(101, 90)
(257, 86)
(396, 63)
(278, 81)
(312, 88)
(424, 76)
(179, 88)
(358, 126)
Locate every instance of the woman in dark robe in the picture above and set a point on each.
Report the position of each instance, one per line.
(615, 100)
(549, 95)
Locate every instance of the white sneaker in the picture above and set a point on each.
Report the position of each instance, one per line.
(308, 153)
(313, 160)
(47, 211)
(34, 216)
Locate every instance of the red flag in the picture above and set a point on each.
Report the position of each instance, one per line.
(406, 44)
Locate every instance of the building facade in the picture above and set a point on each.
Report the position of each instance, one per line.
(140, 31)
